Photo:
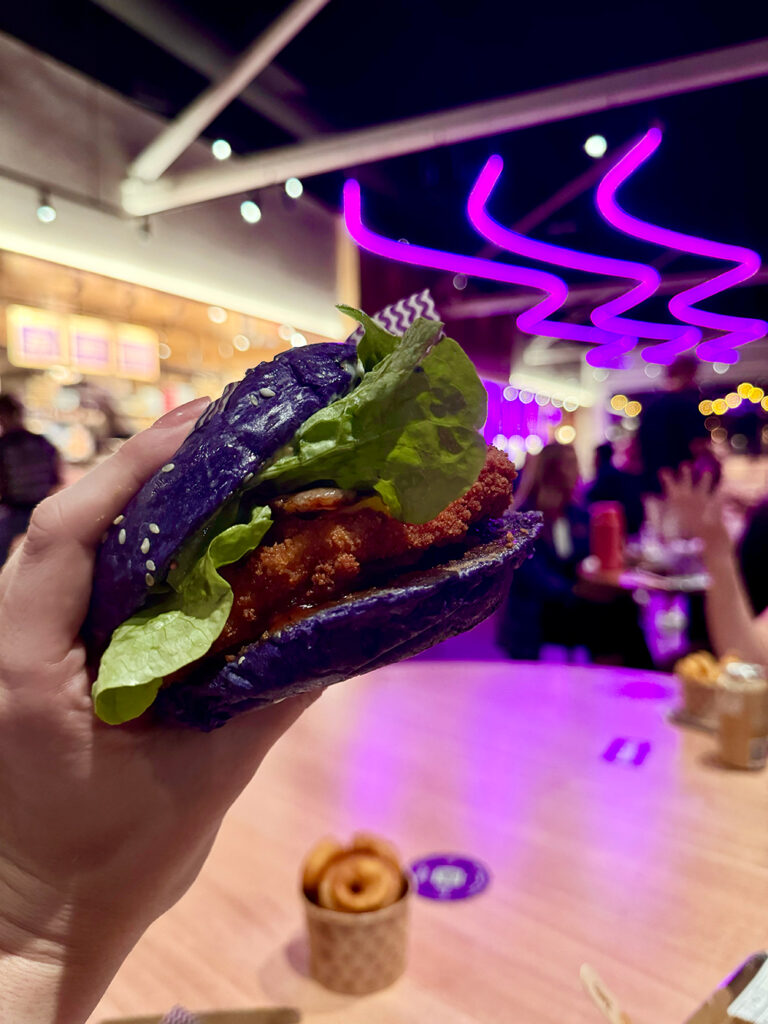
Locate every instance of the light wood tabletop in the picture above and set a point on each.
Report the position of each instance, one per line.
(655, 872)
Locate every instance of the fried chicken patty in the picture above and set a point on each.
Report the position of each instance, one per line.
(309, 561)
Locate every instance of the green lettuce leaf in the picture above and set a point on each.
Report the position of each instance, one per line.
(408, 431)
(165, 637)
(376, 343)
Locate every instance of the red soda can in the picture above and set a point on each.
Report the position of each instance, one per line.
(606, 534)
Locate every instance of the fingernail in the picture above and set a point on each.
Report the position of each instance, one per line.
(183, 414)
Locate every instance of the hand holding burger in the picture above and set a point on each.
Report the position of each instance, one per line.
(101, 829)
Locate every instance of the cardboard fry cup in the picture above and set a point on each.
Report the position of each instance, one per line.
(358, 953)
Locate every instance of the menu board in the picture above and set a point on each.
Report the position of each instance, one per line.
(91, 345)
(36, 338)
(136, 353)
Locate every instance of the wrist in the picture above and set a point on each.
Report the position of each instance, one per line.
(57, 956)
(717, 548)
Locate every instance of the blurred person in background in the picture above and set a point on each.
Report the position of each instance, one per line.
(547, 602)
(29, 471)
(672, 429)
(736, 622)
(614, 484)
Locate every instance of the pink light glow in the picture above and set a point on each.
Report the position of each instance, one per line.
(605, 316)
(554, 287)
(739, 330)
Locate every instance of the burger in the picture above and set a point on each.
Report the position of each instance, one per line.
(334, 511)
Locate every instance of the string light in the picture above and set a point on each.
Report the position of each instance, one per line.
(732, 400)
(756, 395)
(719, 407)
(217, 315)
(633, 408)
(241, 343)
(565, 434)
(743, 390)
(293, 188)
(618, 402)
(705, 407)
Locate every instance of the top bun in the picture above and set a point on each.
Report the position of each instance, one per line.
(232, 441)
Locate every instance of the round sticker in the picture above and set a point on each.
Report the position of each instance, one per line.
(449, 876)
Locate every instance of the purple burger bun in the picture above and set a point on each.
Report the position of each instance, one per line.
(228, 445)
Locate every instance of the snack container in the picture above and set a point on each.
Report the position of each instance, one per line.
(742, 716)
(358, 954)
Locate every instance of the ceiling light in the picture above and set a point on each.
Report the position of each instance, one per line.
(221, 149)
(293, 188)
(250, 211)
(46, 213)
(595, 146)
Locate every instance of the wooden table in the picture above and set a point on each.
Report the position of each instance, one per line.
(656, 874)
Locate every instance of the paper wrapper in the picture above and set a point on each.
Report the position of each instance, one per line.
(358, 953)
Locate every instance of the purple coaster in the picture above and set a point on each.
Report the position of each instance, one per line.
(449, 876)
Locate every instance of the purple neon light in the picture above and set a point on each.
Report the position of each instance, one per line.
(739, 330)
(554, 287)
(604, 316)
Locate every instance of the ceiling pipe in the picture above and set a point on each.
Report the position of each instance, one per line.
(516, 302)
(178, 35)
(318, 156)
(182, 132)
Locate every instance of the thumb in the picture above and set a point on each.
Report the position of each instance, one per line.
(47, 585)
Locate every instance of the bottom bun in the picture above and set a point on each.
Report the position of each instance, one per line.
(360, 632)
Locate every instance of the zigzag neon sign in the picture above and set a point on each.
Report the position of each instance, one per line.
(739, 330)
(612, 334)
